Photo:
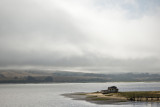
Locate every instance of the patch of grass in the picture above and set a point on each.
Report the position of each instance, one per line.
(80, 94)
(140, 94)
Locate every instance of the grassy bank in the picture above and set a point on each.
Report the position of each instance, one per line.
(125, 96)
(116, 98)
(141, 95)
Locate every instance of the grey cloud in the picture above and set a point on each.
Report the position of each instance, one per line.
(52, 34)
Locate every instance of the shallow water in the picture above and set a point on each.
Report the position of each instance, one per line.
(49, 95)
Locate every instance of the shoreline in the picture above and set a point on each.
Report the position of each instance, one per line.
(96, 98)
(115, 98)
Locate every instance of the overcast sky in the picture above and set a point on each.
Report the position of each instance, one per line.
(106, 36)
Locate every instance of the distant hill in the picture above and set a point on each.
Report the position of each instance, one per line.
(41, 76)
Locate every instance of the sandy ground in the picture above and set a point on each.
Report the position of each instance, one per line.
(111, 98)
(98, 98)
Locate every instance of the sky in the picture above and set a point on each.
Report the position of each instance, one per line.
(99, 36)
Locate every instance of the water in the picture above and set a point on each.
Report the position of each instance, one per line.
(49, 95)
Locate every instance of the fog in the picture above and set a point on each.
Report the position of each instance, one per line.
(100, 36)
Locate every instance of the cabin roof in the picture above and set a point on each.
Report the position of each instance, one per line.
(113, 87)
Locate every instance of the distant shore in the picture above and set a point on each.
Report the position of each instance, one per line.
(52, 76)
(116, 98)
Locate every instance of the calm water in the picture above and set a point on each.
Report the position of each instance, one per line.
(49, 95)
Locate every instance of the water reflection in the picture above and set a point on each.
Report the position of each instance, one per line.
(49, 95)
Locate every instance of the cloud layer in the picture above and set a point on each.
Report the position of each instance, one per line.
(91, 35)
